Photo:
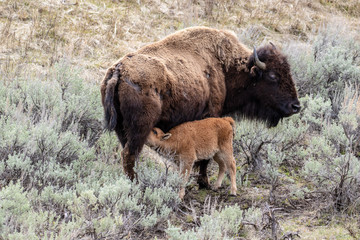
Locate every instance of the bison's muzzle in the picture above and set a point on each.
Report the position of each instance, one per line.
(291, 108)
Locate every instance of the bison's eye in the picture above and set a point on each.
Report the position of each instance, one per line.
(154, 131)
(273, 77)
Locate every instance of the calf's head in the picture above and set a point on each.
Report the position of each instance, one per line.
(156, 137)
(272, 91)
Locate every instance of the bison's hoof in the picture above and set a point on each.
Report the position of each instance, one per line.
(204, 185)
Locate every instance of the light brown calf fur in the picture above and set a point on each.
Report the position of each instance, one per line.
(198, 140)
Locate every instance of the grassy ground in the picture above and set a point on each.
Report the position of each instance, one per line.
(93, 34)
(306, 217)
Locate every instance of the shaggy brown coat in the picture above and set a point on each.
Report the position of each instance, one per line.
(193, 74)
(199, 140)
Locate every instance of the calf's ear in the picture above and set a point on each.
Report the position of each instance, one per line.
(166, 136)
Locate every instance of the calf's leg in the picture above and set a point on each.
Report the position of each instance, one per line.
(231, 166)
(185, 169)
(228, 159)
(232, 172)
(222, 168)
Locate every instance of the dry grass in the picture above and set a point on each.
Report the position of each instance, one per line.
(310, 228)
(349, 7)
(94, 33)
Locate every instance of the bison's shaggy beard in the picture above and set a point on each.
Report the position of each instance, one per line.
(256, 111)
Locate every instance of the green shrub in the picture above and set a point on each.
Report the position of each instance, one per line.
(46, 126)
(250, 139)
(14, 206)
(316, 110)
(60, 176)
(325, 65)
(256, 143)
(325, 148)
(100, 206)
(331, 163)
(224, 224)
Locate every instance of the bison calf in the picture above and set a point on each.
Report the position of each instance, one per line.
(199, 140)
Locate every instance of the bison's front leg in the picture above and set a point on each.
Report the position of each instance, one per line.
(203, 180)
(137, 133)
(140, 112)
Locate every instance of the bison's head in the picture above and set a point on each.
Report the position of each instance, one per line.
(271, 87)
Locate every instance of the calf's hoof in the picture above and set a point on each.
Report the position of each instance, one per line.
(216, 188)
(233, 193)
(182, 193)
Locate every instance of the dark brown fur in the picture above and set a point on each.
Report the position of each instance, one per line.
(192, 74)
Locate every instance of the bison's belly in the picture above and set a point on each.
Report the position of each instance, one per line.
(186, 99)
(181, 111)
(197, 91)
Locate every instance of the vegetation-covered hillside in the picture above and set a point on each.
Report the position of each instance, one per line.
(61, 175)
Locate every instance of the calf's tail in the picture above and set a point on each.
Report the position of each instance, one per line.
(232, 123)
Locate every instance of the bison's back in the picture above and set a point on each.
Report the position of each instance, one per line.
(178, 83)
(183, 71)
(186, 59)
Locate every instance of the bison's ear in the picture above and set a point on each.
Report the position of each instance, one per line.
(166, 136)
(255, 71)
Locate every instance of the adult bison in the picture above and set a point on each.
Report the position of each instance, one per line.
(193, 74)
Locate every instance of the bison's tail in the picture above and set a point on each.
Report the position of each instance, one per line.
(108, 90)
(232, 123)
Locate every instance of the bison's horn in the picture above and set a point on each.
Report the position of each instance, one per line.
(273, 45)
(259, 63)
